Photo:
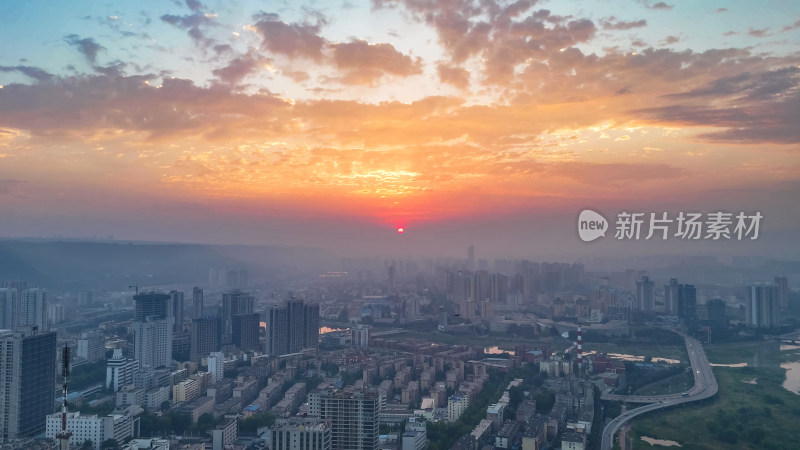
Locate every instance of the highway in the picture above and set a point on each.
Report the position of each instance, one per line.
(705, 386)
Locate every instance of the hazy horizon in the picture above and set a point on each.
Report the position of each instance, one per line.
(331, 124)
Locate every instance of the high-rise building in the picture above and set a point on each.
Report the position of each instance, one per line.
(120, 371)
(391, 275)
(152, 325)
(91, 346)
(716, 312)
(671, 297)
(301, 433)
(87, 298)
(205, 337)
(762, 309)
(32, 309)
(8, 302)
(277, 331)
(360, 335)
(483, 285)
(27, 378)
(353, 417)
(235, 302)
(499, 288)
(295, 315)
(177, 310)
(687, 303)
(782, 283)
(645, 294)
(151, 304)
(197, 303)
(152, 343)
(245, 331)
(311, 324)
(292, 327)
(216, 366)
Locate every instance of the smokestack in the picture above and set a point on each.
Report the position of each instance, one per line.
(64, 435)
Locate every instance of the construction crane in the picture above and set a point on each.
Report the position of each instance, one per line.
(64, 435)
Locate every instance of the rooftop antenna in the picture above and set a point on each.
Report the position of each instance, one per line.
(64, 435)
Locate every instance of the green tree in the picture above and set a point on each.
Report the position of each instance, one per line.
(87, 444)
(256, 421)
(205, 422)
(110, 444)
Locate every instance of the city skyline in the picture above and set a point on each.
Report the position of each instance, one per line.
(332, 124)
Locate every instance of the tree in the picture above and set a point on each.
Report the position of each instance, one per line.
(256, 421)
(165, 405)
(110, 444)
(205, 422)
(87, 445)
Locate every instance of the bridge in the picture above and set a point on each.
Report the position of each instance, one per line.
(705, 386)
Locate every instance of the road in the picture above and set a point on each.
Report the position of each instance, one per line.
(705, 386)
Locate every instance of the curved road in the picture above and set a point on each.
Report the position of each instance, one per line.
(705, 386)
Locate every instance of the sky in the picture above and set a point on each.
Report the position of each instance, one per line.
(333, 123)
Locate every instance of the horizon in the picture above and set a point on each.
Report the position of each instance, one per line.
(332, 124)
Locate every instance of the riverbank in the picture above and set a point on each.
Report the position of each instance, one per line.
(751, 411)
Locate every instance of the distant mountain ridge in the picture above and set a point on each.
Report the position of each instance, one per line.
(80, 265)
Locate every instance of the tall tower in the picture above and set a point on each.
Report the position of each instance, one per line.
(687, 303)
(205, 337)
(152, 330)
(292, 327)
(197, 303)
(234, 303)
(671, 297)
(471, 257)
(177, 310)
(645, 294)
(32, 309)
(64, 435)
(8, 302)
(783, 291)
(296, 322)
(762, 307)
(353, 416)
(311, 325)
(580, 350)
(27, 377)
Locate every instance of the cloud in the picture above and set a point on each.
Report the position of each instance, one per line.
(762, 32)
(194, 24)
(456, 76)
(194, 5)
(293, 40)
(31, 72)
(365, 62)
(503, 36)
(748, 107)
(612, 23)
(793, 26)
(671, 40)
(239, 67)
(82, 107)
(87, 46)
(659, 5)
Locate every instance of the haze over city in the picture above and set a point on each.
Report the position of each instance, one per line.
(331, 124)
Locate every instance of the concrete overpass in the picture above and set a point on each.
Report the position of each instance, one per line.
(705, 386)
